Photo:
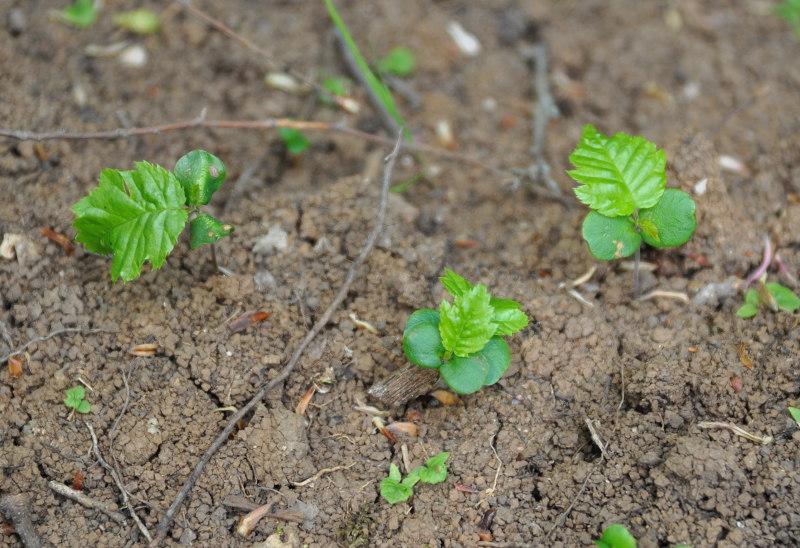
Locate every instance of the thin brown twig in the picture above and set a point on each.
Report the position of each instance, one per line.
(266, 124)
(163, 526)
(17, 509)
(118, 480)
(566, 512)
(55, 333)
(88, 502)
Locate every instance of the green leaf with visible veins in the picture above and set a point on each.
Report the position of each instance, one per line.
(617, 175)
(134, 215)
(466, 325)
(454, 284)
(610, 238)
(205, 229)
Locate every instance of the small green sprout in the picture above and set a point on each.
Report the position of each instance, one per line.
(337, 85)
(76, 400)
(623, 180)
(789, 10)
(80, 14)
(395, 489)
(139, 21)
(616, 536)
(463, 340)
(795, 413)
(137, 215)
(294, 141)
(771, 295)
(400, 61)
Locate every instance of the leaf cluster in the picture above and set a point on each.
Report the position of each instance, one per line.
(137, 215)
(623, 180)
(770, 295)
(76, 399)
(396, 489)
(463, 338)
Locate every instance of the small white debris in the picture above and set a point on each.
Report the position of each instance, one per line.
(229, 353)
(134, 56)
(731, 163)
(467, 43)
(282, 81)
(691, 90)
(275, 240)
(19, 246)
(444, 134)
(152, 426)
(489, 104)
(701, 187)
(265, 280)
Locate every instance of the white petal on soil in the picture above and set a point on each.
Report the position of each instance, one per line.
(701, 187)
(732, 163)
(466, 42)
(282, 81)
(134, 56)
(275, 240)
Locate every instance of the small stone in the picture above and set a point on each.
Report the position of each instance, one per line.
(17, 23)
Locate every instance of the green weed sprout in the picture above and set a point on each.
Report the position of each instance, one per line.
(400, 61)
(790, 11)
(80, 14)
(623, 180)
(294, 141)
(395, 489)
(616, 536)
(76, 400)
(463, 340)
(771, 295)
(337, 85)
(137, 215)
(139, 21)
(795, 413)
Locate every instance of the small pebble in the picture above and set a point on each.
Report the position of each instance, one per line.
(17, 24)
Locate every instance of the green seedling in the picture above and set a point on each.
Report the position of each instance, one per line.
(76, 400)
(139, 21)
(400, 61)
(378, 88)
(616, 536)
(80, 14)
(773, 296)
(795, 413)
(623, 180)
(294, 141)
(137, 215)
(789, 10)
(396, 489)
(337, 85)
(463, 340)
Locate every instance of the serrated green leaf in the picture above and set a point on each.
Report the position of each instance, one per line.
(610, 238)
(394, 491)
(466, 375)
(135, 215)
(74, 396)
(454, 284)
(674, 218)
(466, 325)
(201, 174)
(795, 413)
(139, 21)
(784, 297)
(509, 321)
(435, 470)
(498, 356)
(617, 175)
(294, 141)
(80, 14)
(400, 61)
(205, 229)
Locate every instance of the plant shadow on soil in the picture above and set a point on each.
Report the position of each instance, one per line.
(700, 79)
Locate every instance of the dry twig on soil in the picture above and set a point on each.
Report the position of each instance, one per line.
(88, 502)
(52, 334)
(17, 509)
(163, 526)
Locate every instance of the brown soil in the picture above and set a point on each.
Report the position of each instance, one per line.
(701, 78)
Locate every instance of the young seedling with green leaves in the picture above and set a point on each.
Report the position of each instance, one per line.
(76, 400)
(463, 340)
(396, 489)
(137, 215)
(80, 14)
(400, 61)
(770, 295)
(623, 180)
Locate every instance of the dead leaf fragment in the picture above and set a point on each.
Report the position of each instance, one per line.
(145, 350)
(446, 398)
(246, 320)
(15, 366)
(743, 357)
(64, 242)
(408, 428)
(302, 405)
